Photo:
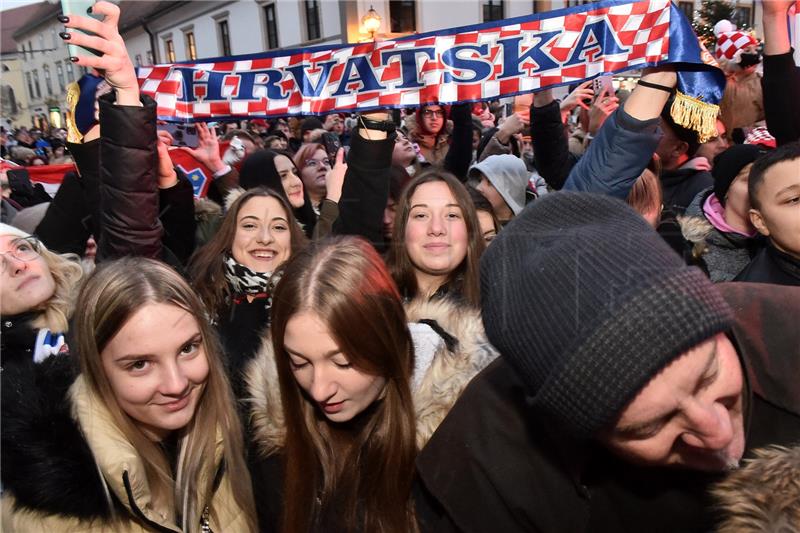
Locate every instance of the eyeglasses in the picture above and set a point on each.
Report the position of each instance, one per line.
(314, 163)
(23, 249)
(430, 113)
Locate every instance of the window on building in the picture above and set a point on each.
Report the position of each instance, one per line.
(30, 85)
(41, 43)
(493, 10)
(169, 47)
(54, 38)
(191, 46)
(30, 49)
(137, 60)
(24, 53)
(48, 82)
(149, 57)
(403, 16)
(36, 84)
(70, 71)
(688, 9)
(312, 19)
(272, 26)
(60, 75)
(743, 17)
(224, 37)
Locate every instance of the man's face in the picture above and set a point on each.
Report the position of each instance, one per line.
(671, 150)
(689, 415)
(715, 146)
(333, 123)
(778, 212)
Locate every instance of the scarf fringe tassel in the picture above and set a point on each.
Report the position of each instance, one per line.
(694, 114)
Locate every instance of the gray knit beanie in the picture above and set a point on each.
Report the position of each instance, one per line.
(588, 303)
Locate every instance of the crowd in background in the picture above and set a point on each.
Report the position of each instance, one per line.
(558, 315)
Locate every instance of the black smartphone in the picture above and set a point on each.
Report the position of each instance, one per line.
(332, 144)
(19, 180)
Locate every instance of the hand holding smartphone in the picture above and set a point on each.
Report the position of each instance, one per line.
(603, 85)
(82, 8)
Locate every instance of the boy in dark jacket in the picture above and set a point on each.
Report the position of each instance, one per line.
(643, 384)
(774, 190)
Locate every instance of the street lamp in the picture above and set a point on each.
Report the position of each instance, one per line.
(371, 22)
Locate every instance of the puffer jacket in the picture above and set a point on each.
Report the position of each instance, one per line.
(723, 254)
(67, 467)
(450, 348)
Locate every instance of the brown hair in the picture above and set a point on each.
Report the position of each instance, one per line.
(464, 280)
(109, 298)
(207, 265)
(357, 475)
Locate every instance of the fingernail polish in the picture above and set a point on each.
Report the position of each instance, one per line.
(63, 19)
(89, 10)
(73, 59)
(64, 35)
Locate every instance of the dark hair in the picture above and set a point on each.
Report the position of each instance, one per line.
(357, 475)
(482, 204)
(258, 170)
(787, 152)
(464, 280)
(487, 136)
(207, 265)
(684, 134)
(398, 179)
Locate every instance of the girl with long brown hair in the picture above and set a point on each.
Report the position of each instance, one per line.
(146, 437)
(346, 391)
(437, 242)
(236, 272)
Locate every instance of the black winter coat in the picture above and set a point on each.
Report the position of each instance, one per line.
(681, 186)
(494, 465)
(771, 265)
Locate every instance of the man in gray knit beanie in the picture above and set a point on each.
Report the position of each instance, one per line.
(627, 382)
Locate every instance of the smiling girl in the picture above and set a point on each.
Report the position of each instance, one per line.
(146, 438)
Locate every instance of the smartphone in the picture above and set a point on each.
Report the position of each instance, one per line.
(332, 144)
(602, 84)
(79, 7)
(19, 180)
(182, 134)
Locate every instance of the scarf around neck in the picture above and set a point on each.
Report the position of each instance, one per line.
(244, 280)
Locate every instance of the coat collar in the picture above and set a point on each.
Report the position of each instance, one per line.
(117, 461)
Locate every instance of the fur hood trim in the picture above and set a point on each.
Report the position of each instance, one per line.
(696, 230)
(232, 196)
(462, 353)
(205, 209)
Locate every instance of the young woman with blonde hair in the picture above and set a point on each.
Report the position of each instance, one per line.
(346, 391)
(146, 437)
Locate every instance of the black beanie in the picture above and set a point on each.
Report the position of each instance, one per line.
(729, 163)
(588, 303)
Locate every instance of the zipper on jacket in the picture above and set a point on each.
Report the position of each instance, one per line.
(138, 512)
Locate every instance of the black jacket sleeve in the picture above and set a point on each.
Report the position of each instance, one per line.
(781, 87)
(128, 190)
(67, 224)
(366, 188)
(176, 206)
(459, 156)
(550, 147)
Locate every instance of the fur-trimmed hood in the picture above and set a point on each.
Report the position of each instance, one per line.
(460, 351)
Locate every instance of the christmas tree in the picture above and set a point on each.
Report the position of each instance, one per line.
(711, 12)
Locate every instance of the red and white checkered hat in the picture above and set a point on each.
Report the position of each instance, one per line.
(760, 136)
(729, 43)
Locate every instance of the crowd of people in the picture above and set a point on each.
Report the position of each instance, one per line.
(575, 317)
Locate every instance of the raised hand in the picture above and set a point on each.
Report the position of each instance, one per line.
(167, 177)
(207, 151)
(334, 181)
(114, 64)
(578, 97)
(600, 110)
